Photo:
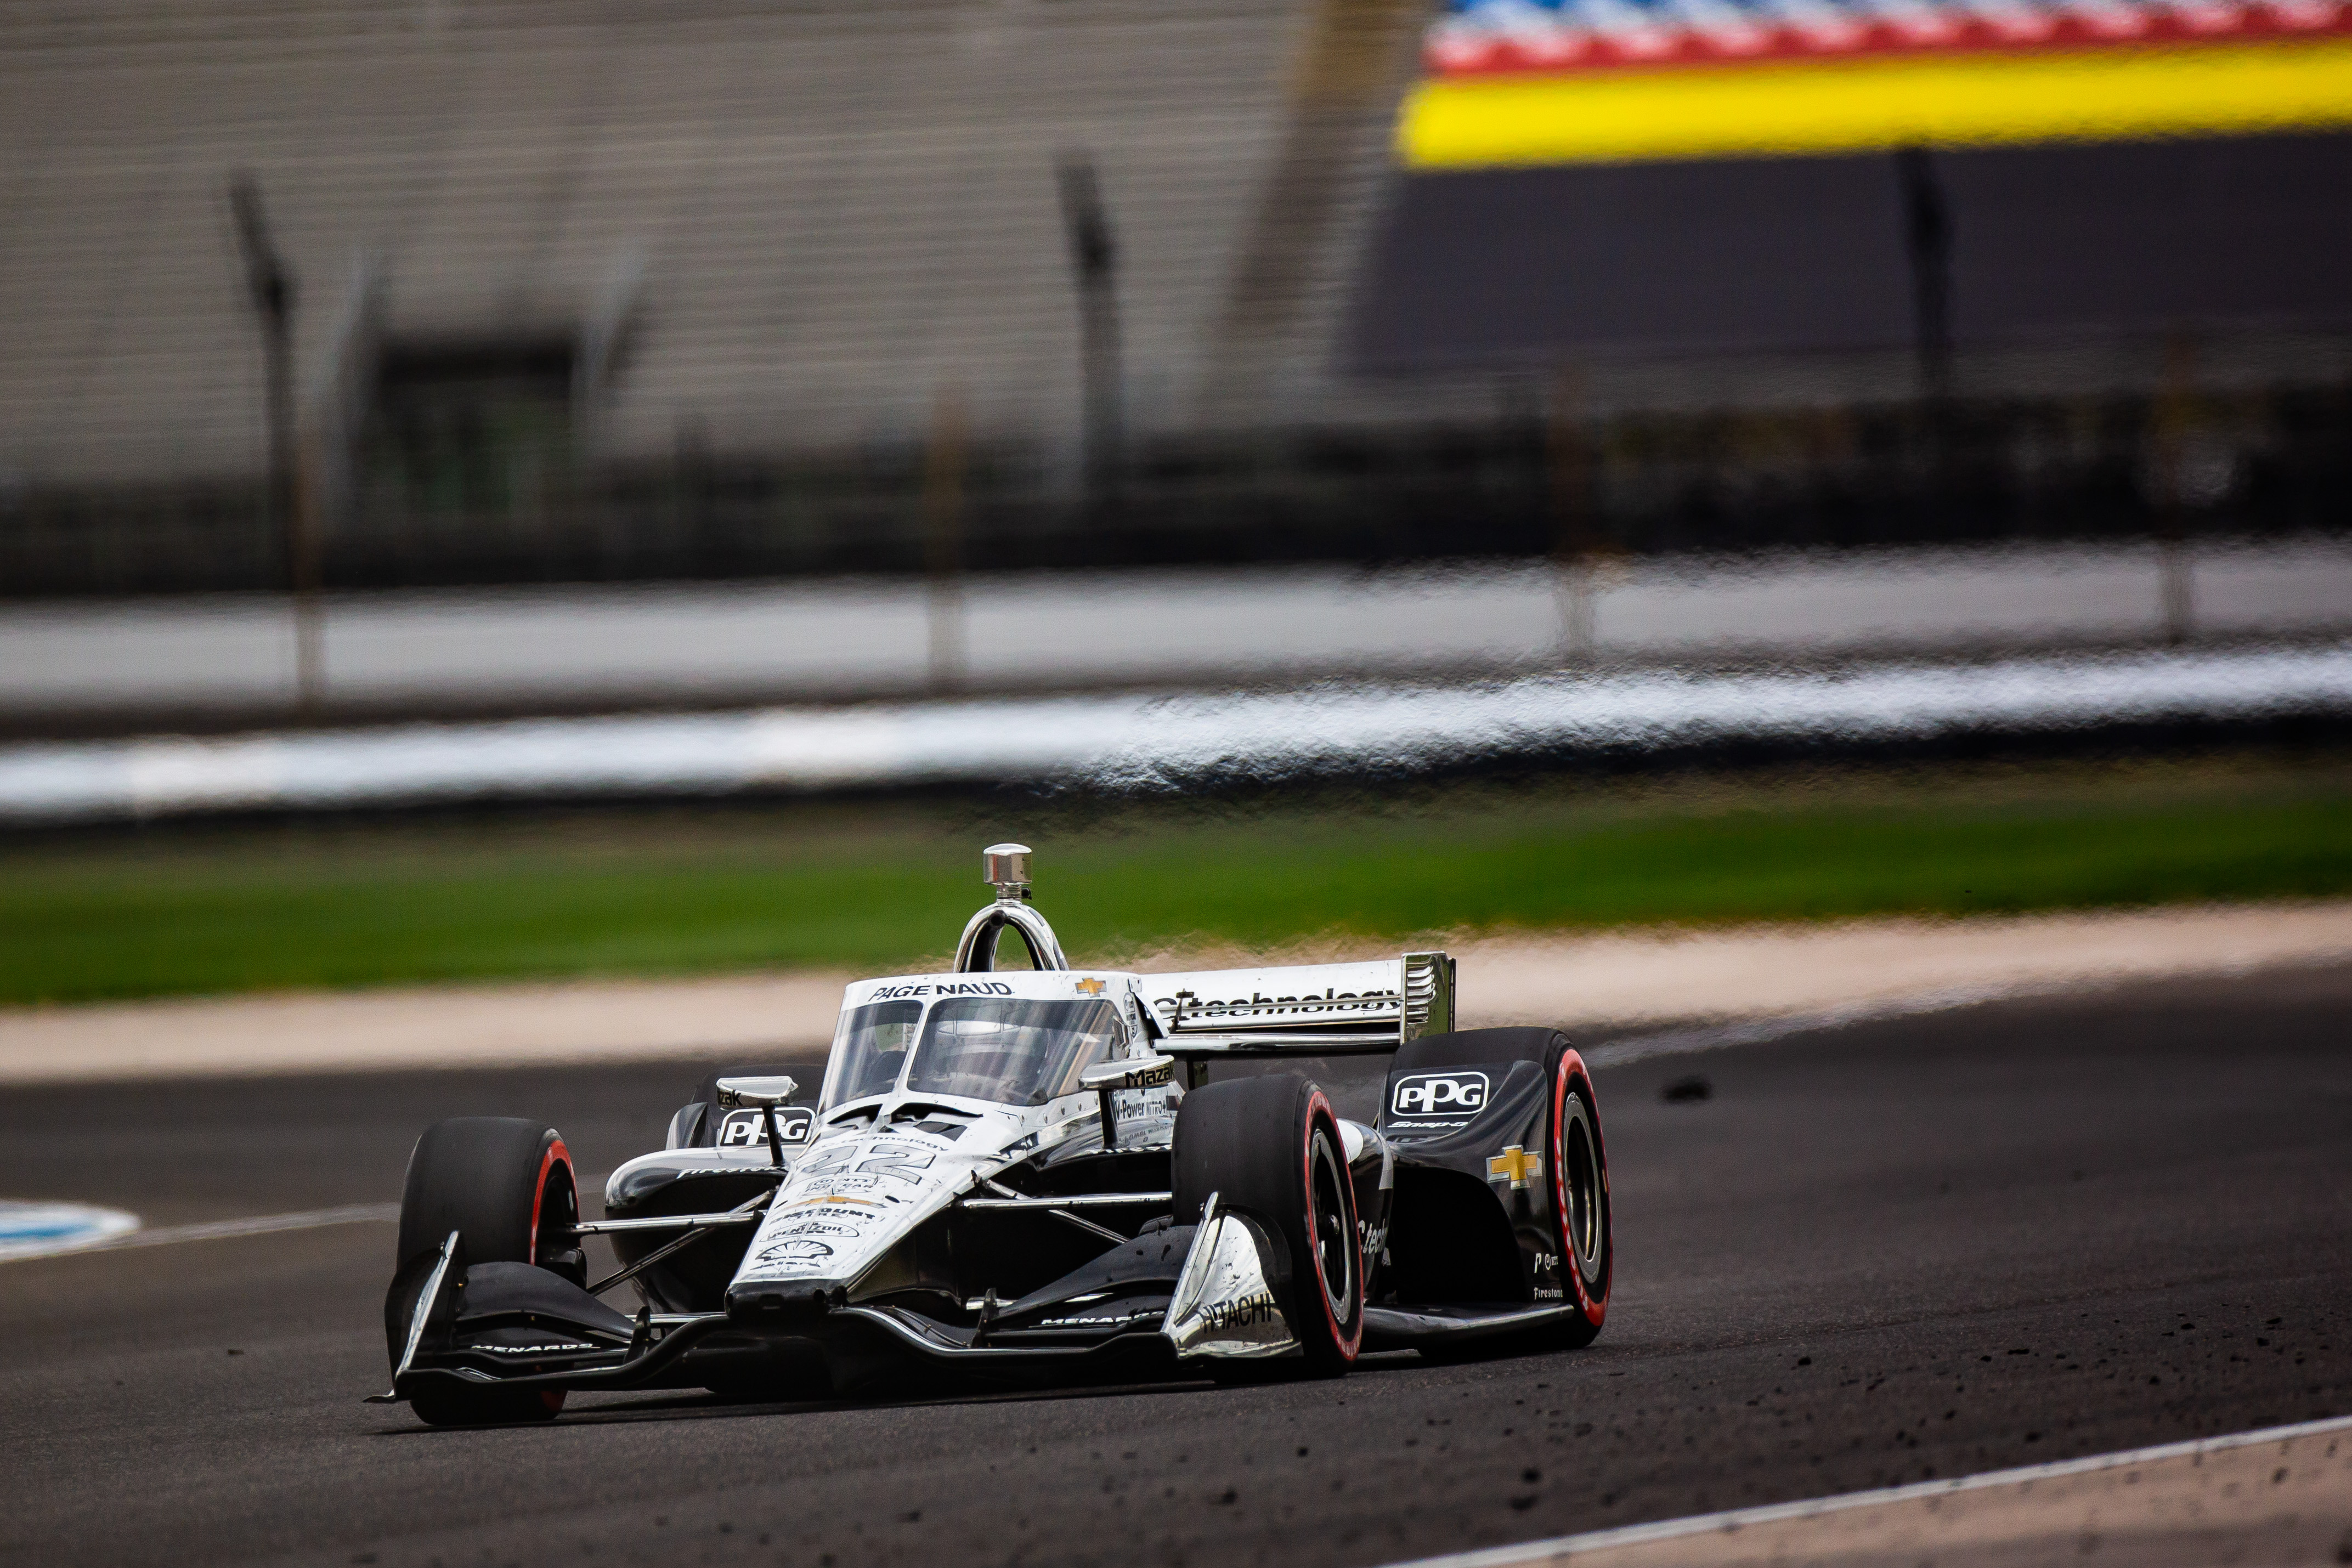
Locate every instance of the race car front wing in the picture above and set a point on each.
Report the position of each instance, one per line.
(519, 1326)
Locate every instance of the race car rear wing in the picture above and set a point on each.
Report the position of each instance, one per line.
(1311, 1010)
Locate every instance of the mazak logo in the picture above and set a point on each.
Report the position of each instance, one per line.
(1438, 1095)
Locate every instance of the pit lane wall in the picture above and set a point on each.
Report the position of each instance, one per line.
(1590, 179)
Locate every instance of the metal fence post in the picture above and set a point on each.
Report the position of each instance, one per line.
(1094, 255)
(271, 285)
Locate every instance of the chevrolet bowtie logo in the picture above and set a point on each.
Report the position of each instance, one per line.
(1515, 1163)
(1091, 988)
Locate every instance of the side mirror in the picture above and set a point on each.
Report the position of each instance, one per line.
(754, 1093)
(1130, 1073)
(763, 1094)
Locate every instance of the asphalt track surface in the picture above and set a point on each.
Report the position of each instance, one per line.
(1918, 1248)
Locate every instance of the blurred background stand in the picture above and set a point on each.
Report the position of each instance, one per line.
(695, 333)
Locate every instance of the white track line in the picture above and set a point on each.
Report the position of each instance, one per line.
(218, 1229)
(1533, 1552)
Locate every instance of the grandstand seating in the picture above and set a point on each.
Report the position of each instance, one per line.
(751, 256)
(810, 216)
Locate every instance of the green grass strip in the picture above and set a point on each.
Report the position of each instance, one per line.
(881, 889)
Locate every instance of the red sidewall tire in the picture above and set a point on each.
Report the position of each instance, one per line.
(1267, 1145)
(1572, 1083)
(506, 1185)
(1319, 1142)
(554, 1168)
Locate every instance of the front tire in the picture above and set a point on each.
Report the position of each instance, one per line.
(1271, 1146)
(506, 1186)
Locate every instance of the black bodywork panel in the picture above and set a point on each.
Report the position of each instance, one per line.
(1475, 1214)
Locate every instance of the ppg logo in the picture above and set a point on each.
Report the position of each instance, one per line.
(1438, 1095)
(748, 1129)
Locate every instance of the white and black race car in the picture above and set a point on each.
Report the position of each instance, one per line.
(1242, 1174)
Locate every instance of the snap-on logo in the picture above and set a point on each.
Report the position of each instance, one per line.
(1438, 1093)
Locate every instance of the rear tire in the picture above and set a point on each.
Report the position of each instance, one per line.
(506, 1185)
(1579, 1175)
(1575, 1179)
(1271, 1146)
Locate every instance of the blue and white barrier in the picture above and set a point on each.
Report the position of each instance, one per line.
(37, 1230)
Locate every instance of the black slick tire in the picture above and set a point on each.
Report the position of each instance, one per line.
(506, 1186)
(1580, 1183)
(1271, 1147)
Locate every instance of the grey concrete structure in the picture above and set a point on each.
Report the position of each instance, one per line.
(229, 659)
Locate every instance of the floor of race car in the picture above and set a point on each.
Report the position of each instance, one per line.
(1916, 1247)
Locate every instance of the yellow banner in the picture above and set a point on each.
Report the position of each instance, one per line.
(1861, 104)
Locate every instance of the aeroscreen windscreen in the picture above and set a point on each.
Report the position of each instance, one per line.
(1010, 1050)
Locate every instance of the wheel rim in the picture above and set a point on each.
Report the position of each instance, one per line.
(550, 1225)
(1326, 1221)
(554, 1232)
(1580, 1169)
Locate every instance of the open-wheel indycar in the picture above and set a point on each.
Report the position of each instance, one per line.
(1244, 1173)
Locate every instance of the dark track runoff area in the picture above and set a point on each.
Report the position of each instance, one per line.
(1915, 1248)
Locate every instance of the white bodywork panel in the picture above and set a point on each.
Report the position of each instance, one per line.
(876, 1168)
(865, 1183)
(1222, 1305)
